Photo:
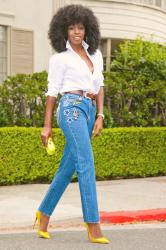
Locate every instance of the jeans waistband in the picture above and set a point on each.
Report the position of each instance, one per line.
(76, 95)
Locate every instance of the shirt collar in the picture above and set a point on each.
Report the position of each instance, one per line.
(84, 44)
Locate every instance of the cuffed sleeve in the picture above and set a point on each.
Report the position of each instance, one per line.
(55, 75)
(101, 68)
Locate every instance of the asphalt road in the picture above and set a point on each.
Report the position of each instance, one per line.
(129, 238)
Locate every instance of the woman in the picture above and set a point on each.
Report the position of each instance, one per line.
(75, 73)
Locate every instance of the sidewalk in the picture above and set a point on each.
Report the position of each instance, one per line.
(19, 203)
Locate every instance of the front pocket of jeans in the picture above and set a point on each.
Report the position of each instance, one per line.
(70, 101)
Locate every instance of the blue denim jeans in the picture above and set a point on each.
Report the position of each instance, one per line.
(75, 116)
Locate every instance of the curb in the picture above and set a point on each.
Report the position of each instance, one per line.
(158, 214)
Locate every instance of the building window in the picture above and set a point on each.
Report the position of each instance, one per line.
(103, 48)
(21, 51)
(114, 45)
(108, 47)
(3, 53)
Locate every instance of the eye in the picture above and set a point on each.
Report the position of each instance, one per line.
(81, 26)
(71, 27)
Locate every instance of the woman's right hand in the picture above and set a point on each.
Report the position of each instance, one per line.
(45, 134)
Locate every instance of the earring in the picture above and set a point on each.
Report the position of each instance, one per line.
(65, 40)
(86, 39)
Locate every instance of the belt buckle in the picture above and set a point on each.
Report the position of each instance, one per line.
(85, 95)
(94, 101)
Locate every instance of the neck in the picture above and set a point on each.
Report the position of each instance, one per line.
(77, 47)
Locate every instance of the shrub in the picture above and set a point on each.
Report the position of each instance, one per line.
(119, 153)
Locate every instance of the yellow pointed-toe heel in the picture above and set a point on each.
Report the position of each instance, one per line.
(102, 240)
(41, 234)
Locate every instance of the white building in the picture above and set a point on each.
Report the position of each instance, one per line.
(24, 44)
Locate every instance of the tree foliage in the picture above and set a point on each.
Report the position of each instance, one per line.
(136, 84)
(22, 100)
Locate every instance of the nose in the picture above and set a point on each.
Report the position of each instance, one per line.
(76, 30)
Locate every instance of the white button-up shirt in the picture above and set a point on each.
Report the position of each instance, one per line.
(68, 71)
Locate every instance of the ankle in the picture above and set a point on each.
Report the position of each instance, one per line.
(95, 229)
(44, 220)
(91, 224)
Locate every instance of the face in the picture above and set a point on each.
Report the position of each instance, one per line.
(76, 33)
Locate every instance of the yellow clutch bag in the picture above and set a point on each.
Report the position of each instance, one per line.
(50, 146)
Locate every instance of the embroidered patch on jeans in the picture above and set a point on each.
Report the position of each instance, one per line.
(75, 113)
(69, 119)
(71, 114)
(66, 102)
(76, 102)
(66, 112)
(69, 101)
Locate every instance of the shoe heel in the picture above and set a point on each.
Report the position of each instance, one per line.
(34, 223)
(41, 234)
(101, 240)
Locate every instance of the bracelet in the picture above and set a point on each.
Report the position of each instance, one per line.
(100, 114)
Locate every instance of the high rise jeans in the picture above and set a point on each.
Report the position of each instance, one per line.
(75, 116)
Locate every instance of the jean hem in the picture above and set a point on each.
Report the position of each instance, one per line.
(44, 213)
(92, 222)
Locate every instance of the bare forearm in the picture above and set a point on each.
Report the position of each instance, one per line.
(50, 104)
(100, 100)
(98, 126)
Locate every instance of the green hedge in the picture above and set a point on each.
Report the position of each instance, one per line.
(119, 153)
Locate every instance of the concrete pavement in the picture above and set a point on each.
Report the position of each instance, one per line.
(122, 237)
(19, 203)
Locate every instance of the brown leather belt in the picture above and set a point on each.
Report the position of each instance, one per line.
(82, 93)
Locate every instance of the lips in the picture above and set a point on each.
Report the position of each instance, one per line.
(76, 37)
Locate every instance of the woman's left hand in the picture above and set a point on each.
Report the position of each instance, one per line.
(98, 126)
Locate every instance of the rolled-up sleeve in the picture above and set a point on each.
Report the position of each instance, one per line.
(101, 68)
(55, 75)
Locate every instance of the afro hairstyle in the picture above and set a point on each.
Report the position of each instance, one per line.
(69, 15)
